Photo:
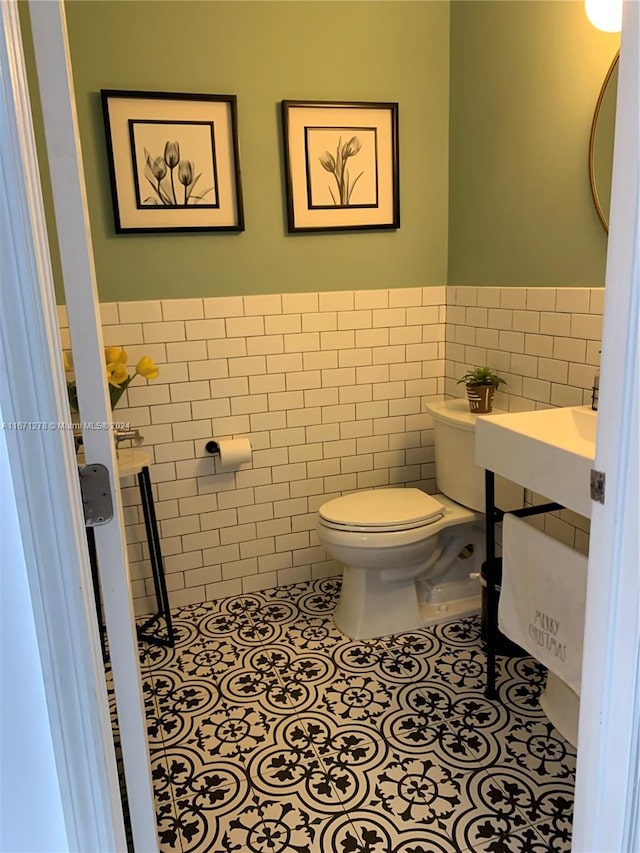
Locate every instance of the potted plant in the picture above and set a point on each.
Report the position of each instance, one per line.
(481, 385)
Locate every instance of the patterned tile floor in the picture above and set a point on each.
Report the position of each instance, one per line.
(272, 732)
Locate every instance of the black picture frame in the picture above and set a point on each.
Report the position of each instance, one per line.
(173, 161)
(341, 165)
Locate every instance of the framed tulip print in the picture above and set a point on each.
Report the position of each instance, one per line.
(173, 161)
(341, 165)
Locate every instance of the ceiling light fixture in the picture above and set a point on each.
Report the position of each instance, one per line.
(606, 15)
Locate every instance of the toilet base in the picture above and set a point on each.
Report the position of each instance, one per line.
(375, 602)
(562, 707)
(458, 608)
(397, 608)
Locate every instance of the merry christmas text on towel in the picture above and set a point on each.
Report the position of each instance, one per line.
(542, 600)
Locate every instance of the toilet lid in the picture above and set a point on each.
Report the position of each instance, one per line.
(382, 509)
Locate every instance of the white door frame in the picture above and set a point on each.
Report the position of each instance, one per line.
(43, 465)
(44, 480)
(57, 101)
(606, 813)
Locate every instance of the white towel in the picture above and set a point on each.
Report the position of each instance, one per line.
(542, 599)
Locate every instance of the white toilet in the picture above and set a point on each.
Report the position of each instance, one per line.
(413, 559)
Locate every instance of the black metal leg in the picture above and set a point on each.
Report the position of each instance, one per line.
(157, 566)
(492, 593)
(157, 570)
(494, 515)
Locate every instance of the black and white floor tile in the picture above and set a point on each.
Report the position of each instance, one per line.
(271, 732)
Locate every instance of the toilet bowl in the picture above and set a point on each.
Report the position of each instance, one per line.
(403, 572)
(412, 559)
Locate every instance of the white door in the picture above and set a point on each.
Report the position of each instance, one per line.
(608, 771)
(43, 466)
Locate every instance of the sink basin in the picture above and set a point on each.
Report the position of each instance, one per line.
(550, 451)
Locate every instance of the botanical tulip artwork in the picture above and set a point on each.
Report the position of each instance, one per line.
(338, 167)
(118, 375)
(171, 189)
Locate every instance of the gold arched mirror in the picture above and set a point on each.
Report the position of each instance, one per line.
(601, 143)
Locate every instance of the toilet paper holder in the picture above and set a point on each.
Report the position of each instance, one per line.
(231, 452)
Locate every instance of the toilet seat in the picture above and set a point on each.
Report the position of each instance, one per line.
(381, 510)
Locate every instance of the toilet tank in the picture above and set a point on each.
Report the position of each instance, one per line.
(457, 475)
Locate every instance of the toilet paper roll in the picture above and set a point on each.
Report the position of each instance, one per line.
(234, 451)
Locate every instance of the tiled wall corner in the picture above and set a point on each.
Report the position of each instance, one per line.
(545, 342)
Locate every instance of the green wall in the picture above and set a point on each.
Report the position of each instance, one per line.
(265, 52)
(525, 77)
(496, 99)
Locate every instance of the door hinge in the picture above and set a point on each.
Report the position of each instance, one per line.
(597, 486)
(96, 494)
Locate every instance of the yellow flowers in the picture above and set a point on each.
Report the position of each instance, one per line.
(118, 375)
(116, 359)
(115, 354)
(147, 368)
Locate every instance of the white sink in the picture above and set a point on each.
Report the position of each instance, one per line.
(550, 451)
